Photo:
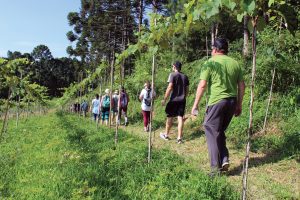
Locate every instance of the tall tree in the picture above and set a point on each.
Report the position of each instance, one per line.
(41, 52)
(246, 36)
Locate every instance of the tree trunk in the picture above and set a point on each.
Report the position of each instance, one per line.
(124, 39)
(4, 125)
(18, 106)
(206, 45)
(216, 30)
(269, 101)
(250, 128)
(213, 37)
(141, 8)
(246, 37)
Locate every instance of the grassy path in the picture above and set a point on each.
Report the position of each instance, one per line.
(270, 177)
(60, 156)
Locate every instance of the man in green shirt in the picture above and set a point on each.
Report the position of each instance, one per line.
(223, 78)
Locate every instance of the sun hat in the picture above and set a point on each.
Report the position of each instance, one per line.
(116, 92)
(106, 91)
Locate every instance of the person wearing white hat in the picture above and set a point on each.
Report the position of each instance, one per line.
(105, 105)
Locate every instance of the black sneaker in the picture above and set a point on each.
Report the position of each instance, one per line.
(179, 141)
(225, 166)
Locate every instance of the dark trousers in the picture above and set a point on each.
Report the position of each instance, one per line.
(217, 119)
(146, 117)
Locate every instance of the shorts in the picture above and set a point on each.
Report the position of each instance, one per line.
(105, 113)
(95, 116)
(175, 109)
(114, 110)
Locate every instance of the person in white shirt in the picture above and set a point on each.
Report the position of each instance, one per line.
(145, 97)
(115, 103)
(95, 108)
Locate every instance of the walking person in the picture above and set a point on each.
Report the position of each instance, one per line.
(95, 108)
(124, 100)
(115, 102)
(105, 106)
(145, 97)
(223, 78)
(177, 90)
(84, 107)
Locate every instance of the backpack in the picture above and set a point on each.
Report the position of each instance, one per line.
(106, 102)
(147, 98)
(115, 99)
(123, 100)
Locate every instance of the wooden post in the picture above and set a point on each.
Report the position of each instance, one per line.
(111, 87)
(112, 71)
(18, 105)
(152, 99)
(80, 93)
(250, 128)
(118, 116)
(269, 101)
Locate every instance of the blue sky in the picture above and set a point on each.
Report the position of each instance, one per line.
(24, 24)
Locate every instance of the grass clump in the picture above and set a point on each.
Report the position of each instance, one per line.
(68, 158)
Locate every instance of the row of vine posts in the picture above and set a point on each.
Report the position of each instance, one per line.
(200, 13)
(19, 87)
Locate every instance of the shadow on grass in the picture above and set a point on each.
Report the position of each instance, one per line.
(136, 117)
(196, 133)
(289, 147)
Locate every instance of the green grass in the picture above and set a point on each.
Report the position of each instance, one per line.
(61, 156)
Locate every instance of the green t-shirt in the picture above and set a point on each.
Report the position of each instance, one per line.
(222, 74)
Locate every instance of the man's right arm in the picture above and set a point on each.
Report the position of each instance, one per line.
(240, 96)
(200, 91)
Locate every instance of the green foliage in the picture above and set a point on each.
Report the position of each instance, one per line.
(285, 145)
(19, 86)
(68, 159)
(41, 52)
(283, 56)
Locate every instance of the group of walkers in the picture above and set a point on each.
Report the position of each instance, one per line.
(116, 103)
(222, 78)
